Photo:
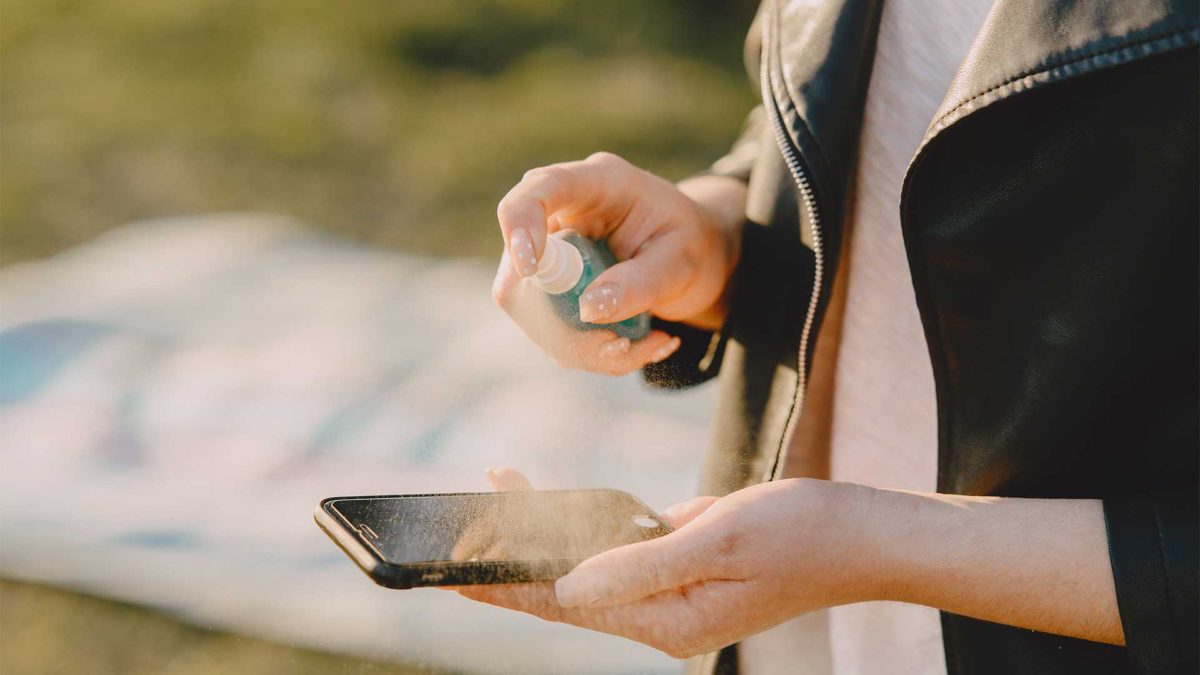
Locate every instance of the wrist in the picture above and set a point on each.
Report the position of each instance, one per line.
(918, 538)
(868, 517)
(849, 526)
(886, 540)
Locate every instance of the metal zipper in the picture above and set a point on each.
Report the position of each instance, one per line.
(794, 165)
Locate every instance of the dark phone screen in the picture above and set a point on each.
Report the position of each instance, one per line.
(499, 526)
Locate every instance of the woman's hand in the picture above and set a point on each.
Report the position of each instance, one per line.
(757, 557)
(676, 255)
(733, 567)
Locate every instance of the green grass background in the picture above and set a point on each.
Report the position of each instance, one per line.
(399, 122)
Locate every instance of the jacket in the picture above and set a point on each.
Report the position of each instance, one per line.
(1050, 218)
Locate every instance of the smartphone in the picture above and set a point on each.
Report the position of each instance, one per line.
(403, 541)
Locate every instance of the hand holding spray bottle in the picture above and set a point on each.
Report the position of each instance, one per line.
(569, 264)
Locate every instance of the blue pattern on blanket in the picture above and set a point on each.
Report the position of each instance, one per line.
(34, 354)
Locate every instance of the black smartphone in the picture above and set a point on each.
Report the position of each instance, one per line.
(402, 541)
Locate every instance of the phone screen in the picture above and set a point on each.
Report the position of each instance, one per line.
(499, 526)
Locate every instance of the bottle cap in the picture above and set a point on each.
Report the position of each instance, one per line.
(561, 266)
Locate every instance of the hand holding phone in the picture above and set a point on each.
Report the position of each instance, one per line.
(403, 541)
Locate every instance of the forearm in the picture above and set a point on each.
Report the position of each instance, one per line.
(1034, 563)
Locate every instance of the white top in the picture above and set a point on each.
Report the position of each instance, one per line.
(882, 428)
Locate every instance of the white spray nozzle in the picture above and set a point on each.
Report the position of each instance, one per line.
(561, 266)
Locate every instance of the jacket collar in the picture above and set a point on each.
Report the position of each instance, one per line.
(822, 52)
(1025, 44)
(819, 54)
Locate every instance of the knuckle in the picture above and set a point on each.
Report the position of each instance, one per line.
(607, 159)
(544, 175)
(505, 209)
(532, 174)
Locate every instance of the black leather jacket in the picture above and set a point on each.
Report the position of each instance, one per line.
(1050, 217)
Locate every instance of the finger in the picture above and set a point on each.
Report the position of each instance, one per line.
(656, 273)
(616, 348)
(532, 598)
(683, 513)
(636, 621)
(572, 187)
(645, 352)
(505, 479)
(636, 571)
(621, 356)
(602, 351)
(505, 284)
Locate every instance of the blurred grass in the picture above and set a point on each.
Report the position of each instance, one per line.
(400, 123)
(47, 632)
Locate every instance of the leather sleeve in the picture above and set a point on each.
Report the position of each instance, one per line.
(744, 153)
(1153, 542)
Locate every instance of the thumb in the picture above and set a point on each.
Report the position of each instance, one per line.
(635, 285)
(636, 571)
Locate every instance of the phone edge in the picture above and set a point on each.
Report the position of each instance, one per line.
(376, 569)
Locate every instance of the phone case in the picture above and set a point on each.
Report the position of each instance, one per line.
(465, 573)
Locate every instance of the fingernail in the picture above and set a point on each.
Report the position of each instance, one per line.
(666, 350)
(579, 589)
(599, 302)
(615, 347)
(520, 247)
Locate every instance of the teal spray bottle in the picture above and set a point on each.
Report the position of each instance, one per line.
(569, 264)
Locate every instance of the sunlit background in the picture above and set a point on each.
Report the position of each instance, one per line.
(246, 249)
(398, 123)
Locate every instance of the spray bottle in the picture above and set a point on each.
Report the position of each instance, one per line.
(569, 264)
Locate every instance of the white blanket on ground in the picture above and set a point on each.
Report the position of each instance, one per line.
(176, 396)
